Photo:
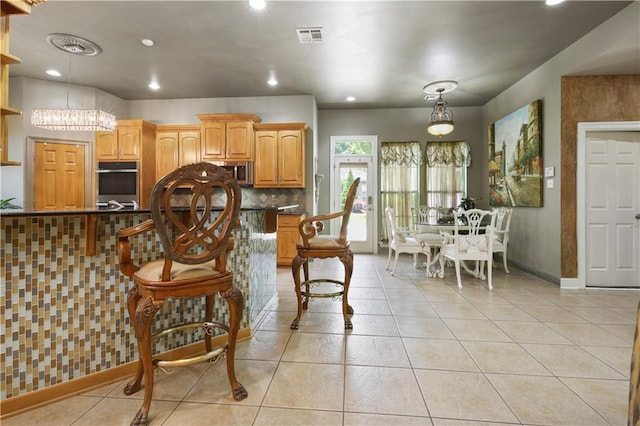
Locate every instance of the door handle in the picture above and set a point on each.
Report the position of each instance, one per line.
(638, 216)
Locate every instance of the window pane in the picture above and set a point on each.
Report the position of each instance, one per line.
(353, 148)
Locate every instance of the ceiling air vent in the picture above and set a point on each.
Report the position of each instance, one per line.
(309, 35)
(74, 44)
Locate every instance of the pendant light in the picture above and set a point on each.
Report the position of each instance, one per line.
(73, 119)
(441, 118)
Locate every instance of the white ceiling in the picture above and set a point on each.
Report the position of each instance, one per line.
(381, 52)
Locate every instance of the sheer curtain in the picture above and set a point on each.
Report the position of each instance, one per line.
(446, 173)
(400, 180)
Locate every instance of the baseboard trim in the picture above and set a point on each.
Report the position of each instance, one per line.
(57, 392)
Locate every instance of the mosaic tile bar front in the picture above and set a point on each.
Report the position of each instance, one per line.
(65, 314)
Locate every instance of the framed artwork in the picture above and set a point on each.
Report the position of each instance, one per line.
(515, 158)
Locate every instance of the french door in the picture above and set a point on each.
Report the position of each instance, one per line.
(353, 157)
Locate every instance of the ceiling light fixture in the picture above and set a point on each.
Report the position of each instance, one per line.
(351, 98)
(53, 73)
(73, 119)
(553, 2)
(147, 42)
(154, 85)
(272, 81)
(257, 4)
(441, 118)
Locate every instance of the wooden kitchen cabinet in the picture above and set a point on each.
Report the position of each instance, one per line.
(126, 142)
(280, 155)
(287, 237)
(176, 145)
(133, 140)
(227, 136)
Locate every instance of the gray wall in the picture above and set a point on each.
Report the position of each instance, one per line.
(535, 232)
(398, 125)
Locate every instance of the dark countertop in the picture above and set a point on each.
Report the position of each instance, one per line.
(126, 210)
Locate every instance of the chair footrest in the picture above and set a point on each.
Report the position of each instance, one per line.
(208, 327)
(310, 284)
(215, 353)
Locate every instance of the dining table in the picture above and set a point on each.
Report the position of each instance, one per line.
(425, 231)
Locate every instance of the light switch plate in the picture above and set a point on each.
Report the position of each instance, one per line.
(549, 183)
(549, 171)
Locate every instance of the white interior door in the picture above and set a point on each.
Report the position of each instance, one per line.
(612, 209)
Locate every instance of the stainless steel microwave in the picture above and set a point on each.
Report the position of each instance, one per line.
(242, 170)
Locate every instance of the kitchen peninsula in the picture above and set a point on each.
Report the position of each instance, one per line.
(65, 301)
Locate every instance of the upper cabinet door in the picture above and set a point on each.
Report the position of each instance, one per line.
(166, 153)
(291, 163)
(239, 140)
(189, 147)
(213, 140)
(266, 165)
(106, 146)
(129, 143)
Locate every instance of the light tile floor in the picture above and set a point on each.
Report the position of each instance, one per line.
(421, 352)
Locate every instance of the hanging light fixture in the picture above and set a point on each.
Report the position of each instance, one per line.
(441, 118)
(73, 119)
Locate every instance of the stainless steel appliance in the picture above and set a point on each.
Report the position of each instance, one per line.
(242, 170)
(118, 184)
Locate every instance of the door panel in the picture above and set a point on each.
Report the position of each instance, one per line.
(59, 176)
(613, 201)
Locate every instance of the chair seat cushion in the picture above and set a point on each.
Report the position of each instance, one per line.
(324, 242)
(152, 271)
(430, 238)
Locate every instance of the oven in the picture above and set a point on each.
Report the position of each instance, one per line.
(118, 184)
(242, 171)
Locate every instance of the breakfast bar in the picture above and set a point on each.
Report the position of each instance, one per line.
(64, 300)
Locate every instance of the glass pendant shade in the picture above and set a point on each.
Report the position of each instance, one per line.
(441, 119)
(73, 119)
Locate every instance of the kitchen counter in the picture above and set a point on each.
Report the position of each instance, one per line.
(67, 299)
(104, 211)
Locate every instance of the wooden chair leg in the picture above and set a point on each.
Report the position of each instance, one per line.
(295, 269)
(347, 310)
(145, 312)
(133, 297)
(307, 286)
(234, 298)
(208, 317)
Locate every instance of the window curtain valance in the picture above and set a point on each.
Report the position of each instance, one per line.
(400, 153)
(448, 153)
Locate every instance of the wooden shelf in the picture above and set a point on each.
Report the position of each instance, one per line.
(7, 110)
(9, 59)
(15, 7)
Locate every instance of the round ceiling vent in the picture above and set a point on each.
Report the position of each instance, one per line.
(74, 44)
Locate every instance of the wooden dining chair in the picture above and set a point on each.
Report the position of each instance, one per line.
(196, 238)
(468, 243)
(313, 245)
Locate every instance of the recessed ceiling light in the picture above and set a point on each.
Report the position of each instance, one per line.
(350, 98)
(147, 42)
(553, 2)
(272, 81)
(154, 85)
(257, 4)
(54, 73)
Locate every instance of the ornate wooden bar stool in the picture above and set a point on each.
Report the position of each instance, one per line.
(196, 240)
(312, 245)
